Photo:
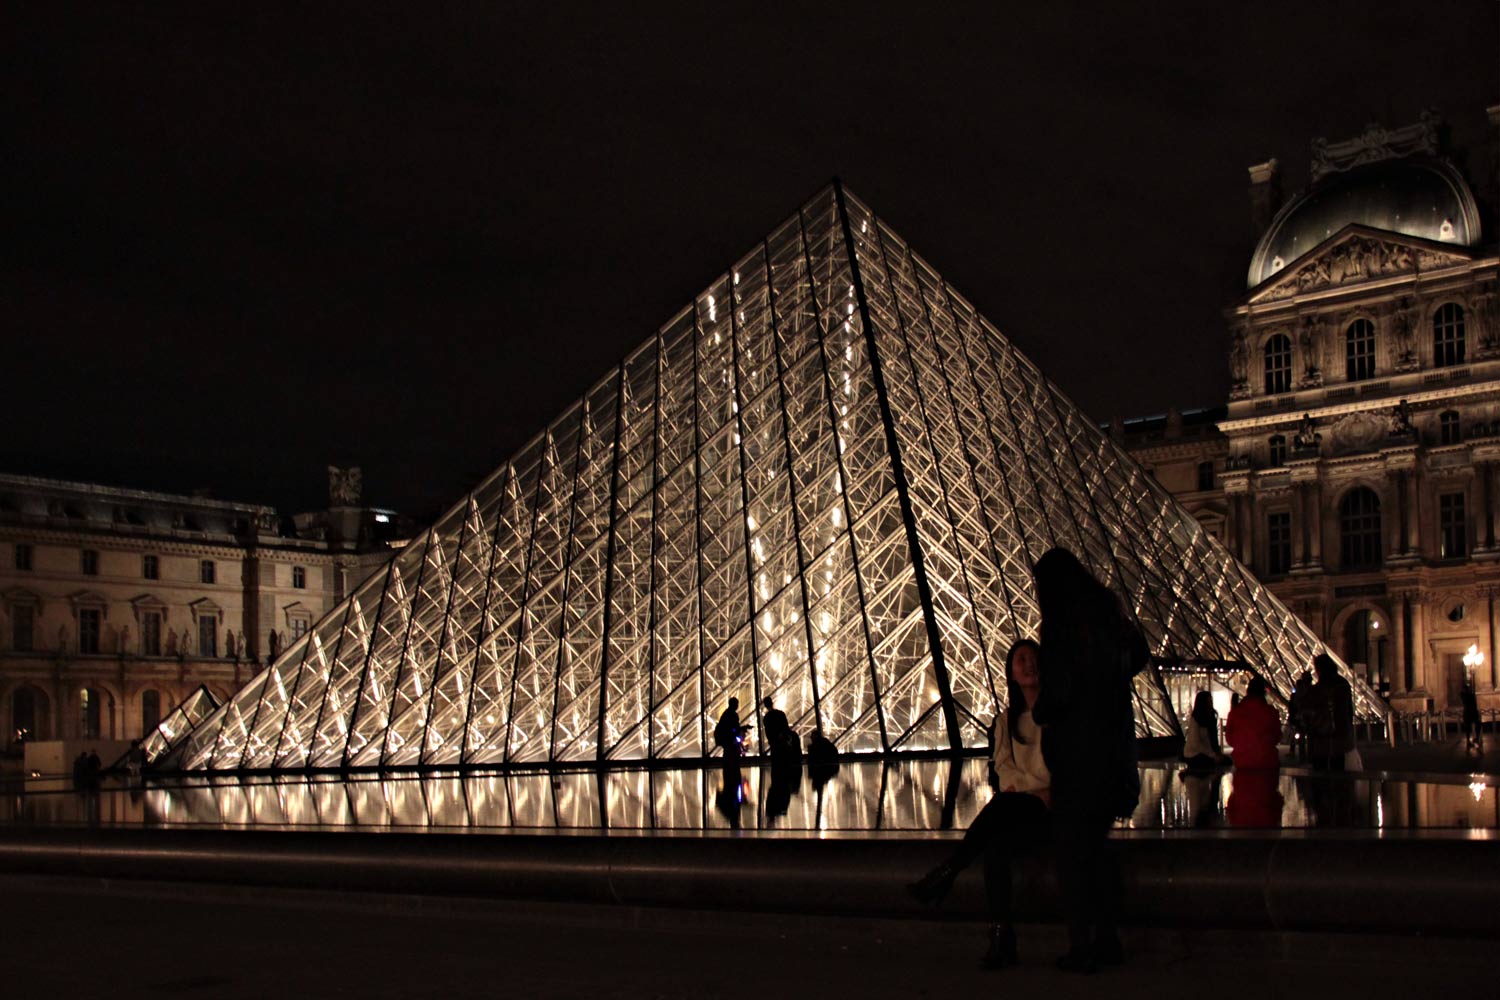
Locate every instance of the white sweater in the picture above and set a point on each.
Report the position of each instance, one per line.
(1019, 765)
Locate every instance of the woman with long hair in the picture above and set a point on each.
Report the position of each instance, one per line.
(1090, 651)
(1015, 819)
(1201, 747)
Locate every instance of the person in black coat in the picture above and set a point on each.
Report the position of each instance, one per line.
(1091, 650)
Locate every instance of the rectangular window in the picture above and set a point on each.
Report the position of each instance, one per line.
(149, 567)
(208, 635)
(299, 577)
(23, 555)
(1452, 526)
(1278, 543)
(299, 628)
(22, 627)
(88, 630)
(90, 562)
(1205, 475)
(206, 571)
(151, 633)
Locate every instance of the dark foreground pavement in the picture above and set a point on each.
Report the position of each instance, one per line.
(73, 937)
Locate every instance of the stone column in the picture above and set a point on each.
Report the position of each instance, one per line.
(1484, 537)
(1393, 522)
(1299, 541)
(1419, 665)
(1398, 639)
(1413, 519)
(1315, 521)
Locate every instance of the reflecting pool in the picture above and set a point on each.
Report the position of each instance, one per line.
(862, 798)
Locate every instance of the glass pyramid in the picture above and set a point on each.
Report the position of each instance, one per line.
(824, 482)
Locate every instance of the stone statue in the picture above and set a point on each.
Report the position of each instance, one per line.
(1307, 340)
(344, 486)
(1401, 420)
(1307, 437)
(1239, 358)
(1403, 326)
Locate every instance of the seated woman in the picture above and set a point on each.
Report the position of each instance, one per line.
(1015, 819)
(1201, 748)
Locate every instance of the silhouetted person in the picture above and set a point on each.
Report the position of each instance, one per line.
(784, 745)
(95, 766)
(1330, 716)
(1471, 716)
(822, 759)
(81, 771)
(1090, 653)
(1252, 729)
(1298, 707)
(1201, 747)
(728, 733)
(1015, 820)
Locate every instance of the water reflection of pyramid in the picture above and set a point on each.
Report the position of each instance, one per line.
(824, 482)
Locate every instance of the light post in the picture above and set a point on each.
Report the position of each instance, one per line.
(1473, 660)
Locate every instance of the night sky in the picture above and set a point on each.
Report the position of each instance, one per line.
(244, 244)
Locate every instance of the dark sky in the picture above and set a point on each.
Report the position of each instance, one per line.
(244, 244)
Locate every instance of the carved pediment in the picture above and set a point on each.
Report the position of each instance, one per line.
(1355, 254)
(1358, 432)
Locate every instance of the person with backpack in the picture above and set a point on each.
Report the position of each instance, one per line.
(729, 734)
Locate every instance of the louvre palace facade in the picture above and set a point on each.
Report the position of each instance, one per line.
(1356, 465)
(117, 604)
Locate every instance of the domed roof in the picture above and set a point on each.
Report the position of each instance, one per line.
(1418, 197)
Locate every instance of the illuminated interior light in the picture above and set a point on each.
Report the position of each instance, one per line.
(713, 312)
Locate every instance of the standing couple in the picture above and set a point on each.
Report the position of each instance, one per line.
(1065, 757)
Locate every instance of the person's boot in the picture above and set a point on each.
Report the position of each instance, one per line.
(932, 887)
(1002, 949)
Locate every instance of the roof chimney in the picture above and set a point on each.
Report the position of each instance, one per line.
(1265, 194)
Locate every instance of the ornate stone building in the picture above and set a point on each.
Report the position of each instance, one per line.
(115, 604)
(1357, 467)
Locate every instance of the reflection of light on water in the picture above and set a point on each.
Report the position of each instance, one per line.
(1379, 810)
(1476, 789)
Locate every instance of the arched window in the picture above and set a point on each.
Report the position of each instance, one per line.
(1278, 449)
(1359, 350)
(1278, 354)
(1448, 429)
(150, 711)
(89, 705)
(1448, 335)
(1359, 528)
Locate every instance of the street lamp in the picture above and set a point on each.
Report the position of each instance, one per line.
(1473, 660)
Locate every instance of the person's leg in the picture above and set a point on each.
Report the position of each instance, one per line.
(1074, 880)
(934, 885)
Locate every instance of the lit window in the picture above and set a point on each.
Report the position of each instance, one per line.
(299, 577)
(1359, 529)
(1278, 543)
(1278, 449)
(1452, 527)
(88, 713)
(1448, 335)
(1448, 429)
(90, 562)
(149, 567)
(1359, 350)
(1278, 356)
(206, 572)
(23, 555)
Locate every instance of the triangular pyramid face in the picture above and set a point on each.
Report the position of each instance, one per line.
(824, 483)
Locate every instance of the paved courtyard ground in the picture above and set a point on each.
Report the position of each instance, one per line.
(81, 938)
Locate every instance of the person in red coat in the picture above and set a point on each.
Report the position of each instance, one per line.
(1253, 729)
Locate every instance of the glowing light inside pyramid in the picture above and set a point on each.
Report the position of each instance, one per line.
(824, 482)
